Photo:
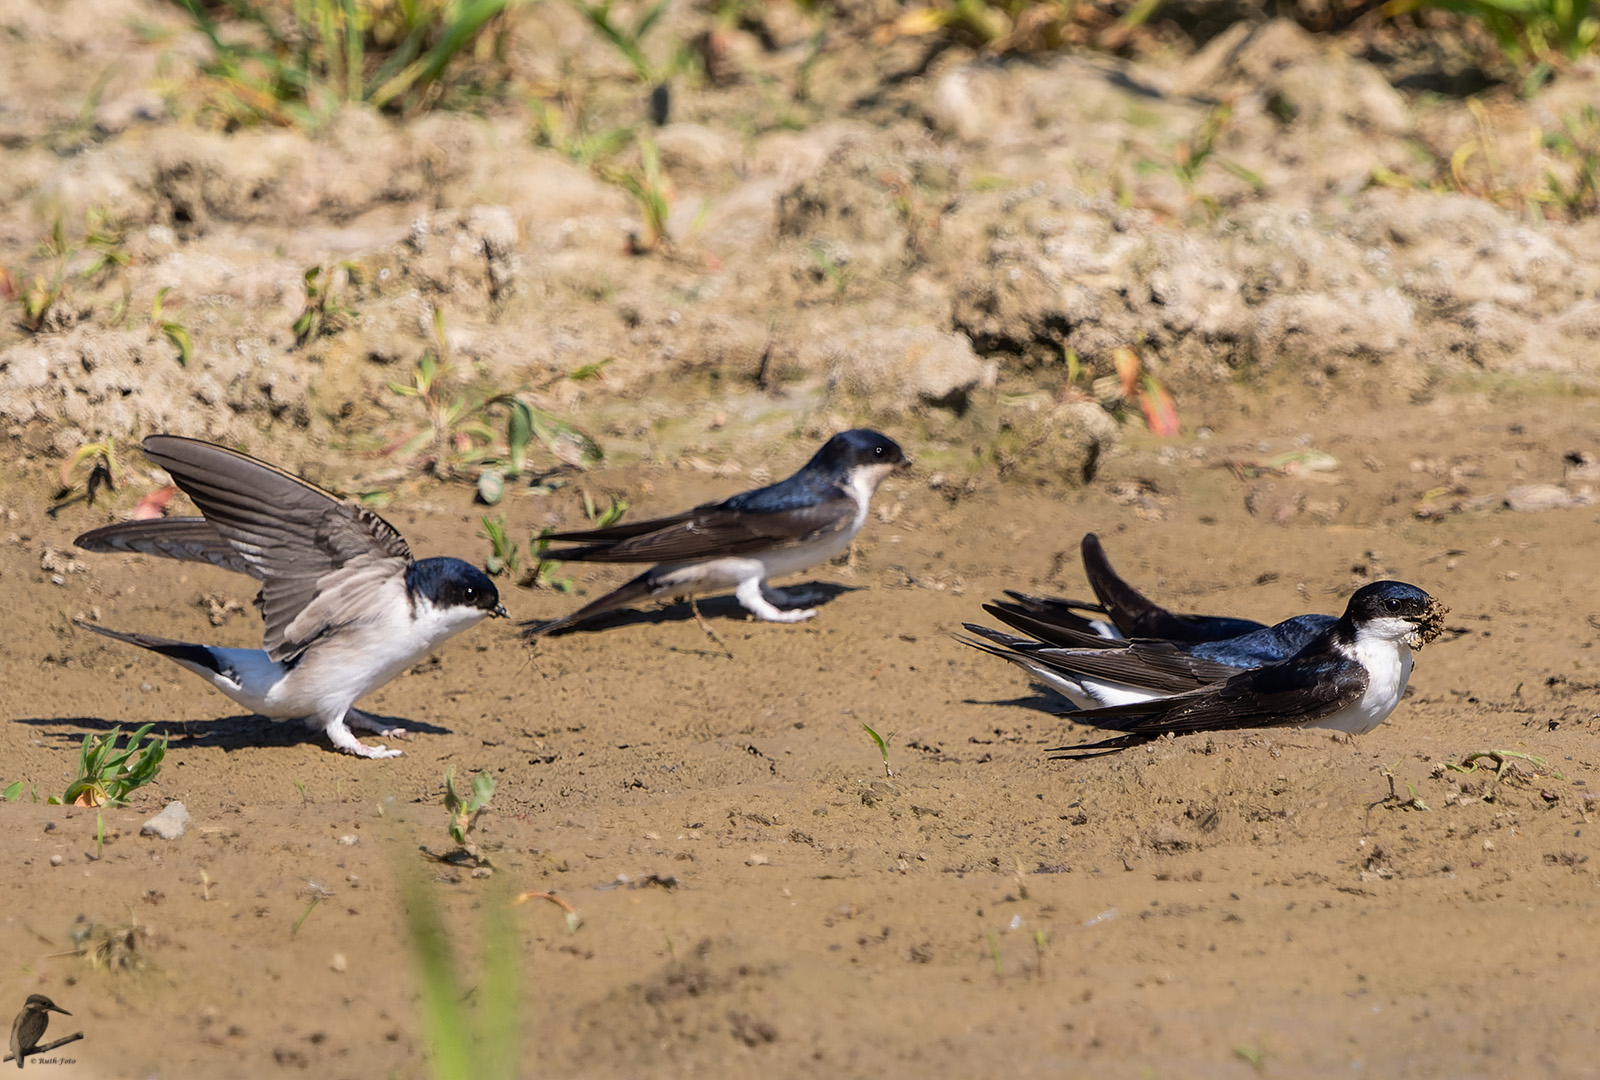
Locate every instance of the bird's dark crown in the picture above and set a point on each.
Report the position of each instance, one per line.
(450, 582)
(858, 446)
(1388, 600)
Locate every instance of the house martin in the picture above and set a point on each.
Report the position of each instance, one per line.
(346, 606)
(1121, 611)
(1116, 671)
(1348, 678)
(742, 542)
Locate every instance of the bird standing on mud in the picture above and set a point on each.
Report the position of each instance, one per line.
(28, 1028)
(741, 542)
(346, 606)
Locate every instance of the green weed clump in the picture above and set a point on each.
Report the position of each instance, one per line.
(295, 62)
(108, 774)
(1527, 31)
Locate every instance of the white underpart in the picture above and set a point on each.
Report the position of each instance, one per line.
(336, 672)
(748, 576)
(1083, 691)
(1383, 647)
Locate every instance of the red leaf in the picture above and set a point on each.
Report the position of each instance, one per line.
(1160, 414)
(1128, 366)
(154, 504)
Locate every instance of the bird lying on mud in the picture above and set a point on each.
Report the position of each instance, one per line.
(1091, 663)
(346, 606)
(1348, 678)
(743, 541)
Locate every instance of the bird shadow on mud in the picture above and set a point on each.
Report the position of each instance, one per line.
(245, 731)
(1045, 701)
(815, 594)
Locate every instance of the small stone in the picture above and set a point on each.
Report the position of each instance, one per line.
(170, 824)
(349, 839)
(55, 860)
(338, 963)
(757, 859)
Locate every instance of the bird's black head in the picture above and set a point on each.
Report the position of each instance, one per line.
(451, 583)
(40, 1003)
(1405, 608)
(850, 450)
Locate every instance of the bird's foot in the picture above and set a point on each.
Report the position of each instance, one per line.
(360, 721)
(342, 739)
(749, 594)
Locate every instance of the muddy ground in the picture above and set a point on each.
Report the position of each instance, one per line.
(757, 897)
(951, 255)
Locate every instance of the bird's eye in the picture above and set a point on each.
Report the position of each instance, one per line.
(878, 450)
(1392, 604)
(470, 592)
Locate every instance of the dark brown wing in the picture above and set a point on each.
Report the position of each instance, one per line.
(291, 533)
(1294, 692)
(190, 539)
(717, 531)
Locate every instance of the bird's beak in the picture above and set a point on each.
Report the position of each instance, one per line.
(59, 1009)
(499, 612)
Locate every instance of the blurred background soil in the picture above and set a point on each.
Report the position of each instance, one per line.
(1277, 306)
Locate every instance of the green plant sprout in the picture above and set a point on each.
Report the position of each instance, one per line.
(322, 314)
(883, 746)
(546, 571)
(503, 557)
(172, 331)
(107, 774)
(296, 71)
(648, 186)
(604, 519)
(628, 40)
(464, 812)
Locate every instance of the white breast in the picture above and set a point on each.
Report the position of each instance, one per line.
(1388, 663)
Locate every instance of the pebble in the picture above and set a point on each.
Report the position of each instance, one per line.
(170, 824)
(55, 860)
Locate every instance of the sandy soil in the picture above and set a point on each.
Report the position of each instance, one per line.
(756, 895)
(859, 234)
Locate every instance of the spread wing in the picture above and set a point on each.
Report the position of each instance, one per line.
(191, 539)
(715, 531)
(300, 541)
(1294, 692)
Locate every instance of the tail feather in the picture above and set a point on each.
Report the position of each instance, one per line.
(181, 651)
(1104, 747)
(640, 588)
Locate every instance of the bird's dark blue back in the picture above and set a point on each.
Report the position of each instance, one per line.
(1268, 645)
